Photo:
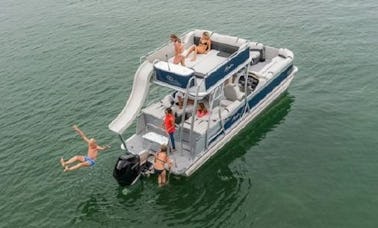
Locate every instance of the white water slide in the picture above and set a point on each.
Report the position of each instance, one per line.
(136, 100)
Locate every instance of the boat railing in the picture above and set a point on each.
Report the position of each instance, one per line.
(184, 111)
(194, 117)
(160, 47)
(216, 95)
(144, 57)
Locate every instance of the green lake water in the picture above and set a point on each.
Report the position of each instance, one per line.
(310, 160)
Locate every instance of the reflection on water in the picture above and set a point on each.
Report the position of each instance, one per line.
(215, 191)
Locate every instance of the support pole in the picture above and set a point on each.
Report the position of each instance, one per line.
(123, 142)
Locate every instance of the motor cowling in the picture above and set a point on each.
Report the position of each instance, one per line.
(127, 169)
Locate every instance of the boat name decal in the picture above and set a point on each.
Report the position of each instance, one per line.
(227, 68)
(236, 117)
(172, 80)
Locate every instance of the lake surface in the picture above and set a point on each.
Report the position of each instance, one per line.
(310, 160)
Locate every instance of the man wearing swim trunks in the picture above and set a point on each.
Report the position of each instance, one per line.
(84, 161)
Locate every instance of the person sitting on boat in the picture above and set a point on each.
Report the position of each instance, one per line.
(179, 48)
(161, 163)
(178, 104)
(202, 110)
(84, 161)
(203, 46)
(179, 100)
(169, 126)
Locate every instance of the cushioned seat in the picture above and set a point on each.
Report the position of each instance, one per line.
(232, 92)
(255, 55)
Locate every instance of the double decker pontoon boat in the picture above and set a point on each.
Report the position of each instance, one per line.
(235, 81)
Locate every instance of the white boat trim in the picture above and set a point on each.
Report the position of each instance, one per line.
(262, 105)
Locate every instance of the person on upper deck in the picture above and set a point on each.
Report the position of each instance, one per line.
(203, 46)
(179, 48)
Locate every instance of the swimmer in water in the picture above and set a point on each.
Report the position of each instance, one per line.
(161, 163)
(83, 161)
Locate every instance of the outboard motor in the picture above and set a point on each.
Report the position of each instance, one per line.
(127, 169)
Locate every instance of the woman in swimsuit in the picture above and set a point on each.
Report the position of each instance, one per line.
(179, 48)
(203, 46)
(161, 158)
(202, 110)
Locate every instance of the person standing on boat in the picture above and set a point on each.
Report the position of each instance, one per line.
(203, 46)
(161, 163)
(83, 161)
(179, 48)
(169, 126)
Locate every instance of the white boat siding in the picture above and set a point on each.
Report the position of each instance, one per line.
(263, 104)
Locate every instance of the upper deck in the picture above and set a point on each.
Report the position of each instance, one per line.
(228, 55)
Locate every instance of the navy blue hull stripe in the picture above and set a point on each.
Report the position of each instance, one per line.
(254, 100)
(258, 97)
(269, 88)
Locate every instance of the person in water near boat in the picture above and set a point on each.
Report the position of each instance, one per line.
(179, 48)
(83, 161)
(169, 126)
(161, 163)
(203, 46)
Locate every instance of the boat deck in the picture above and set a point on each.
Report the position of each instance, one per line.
(181, 161)
(204, 63)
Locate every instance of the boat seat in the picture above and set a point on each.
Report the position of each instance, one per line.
(229, 106)
(232, 92)
(204, 63)
(167, 101)
(225, 103)
(256, 56)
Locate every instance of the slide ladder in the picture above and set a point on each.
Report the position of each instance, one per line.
(136, 100)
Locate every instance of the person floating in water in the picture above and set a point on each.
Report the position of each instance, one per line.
(161, 163)
(84, 161)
